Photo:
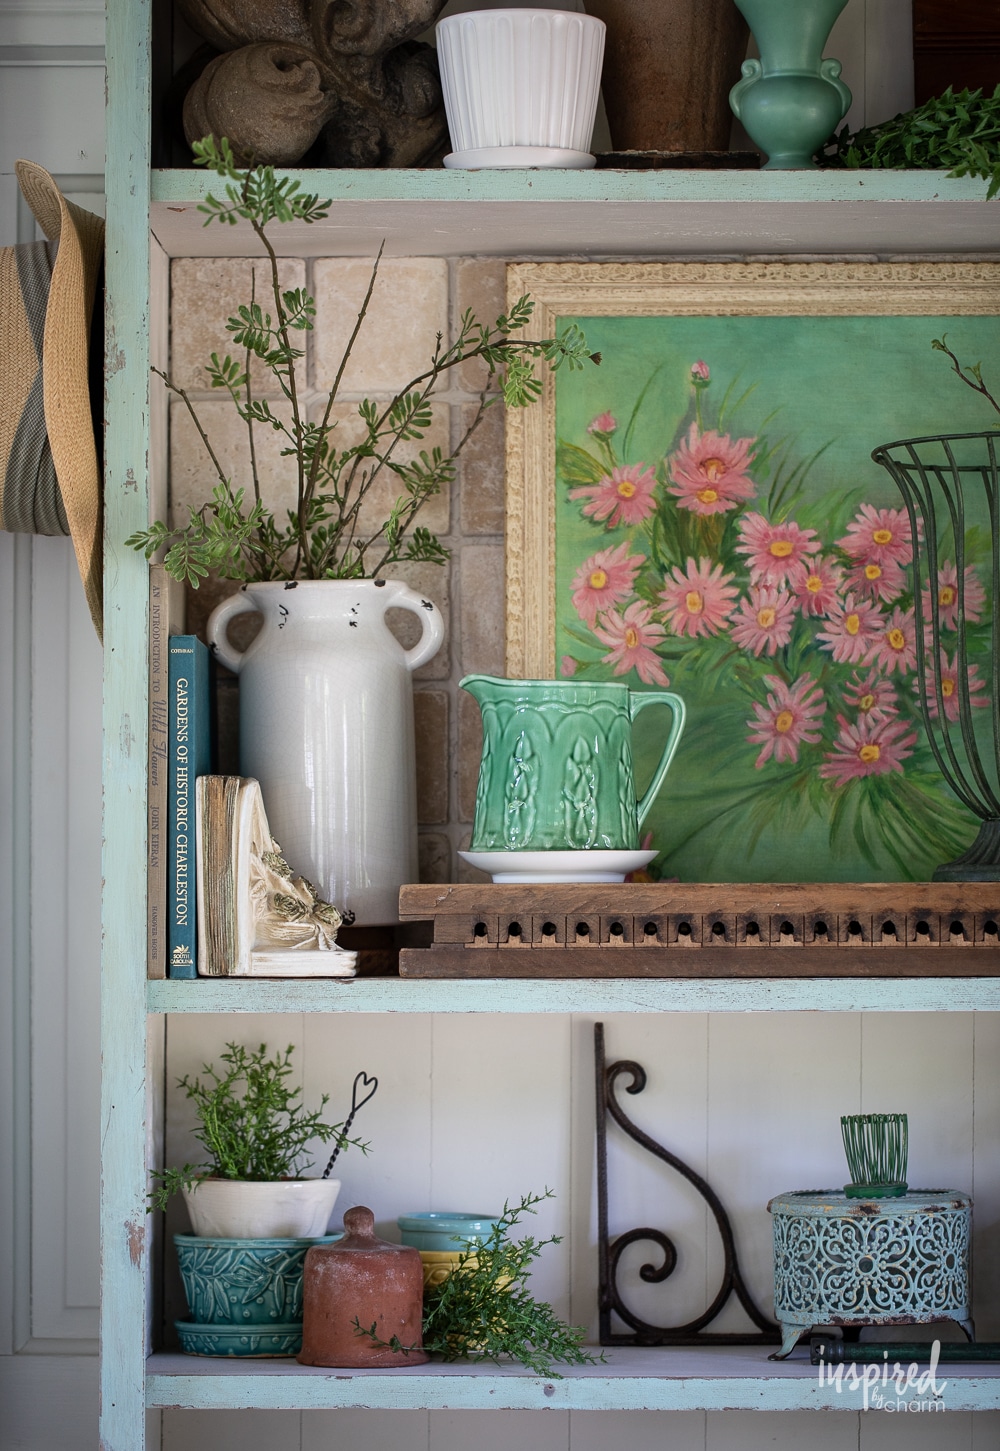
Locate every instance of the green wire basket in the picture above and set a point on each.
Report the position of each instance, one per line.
(876, 1148)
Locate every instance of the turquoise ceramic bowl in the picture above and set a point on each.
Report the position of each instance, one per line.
(450, 1230)
(263, 1340)
(244, 1282)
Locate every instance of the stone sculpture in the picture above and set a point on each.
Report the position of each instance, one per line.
(347, 83)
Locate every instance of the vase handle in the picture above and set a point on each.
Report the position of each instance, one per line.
(218, 625)
(638, 700)
(432, 636)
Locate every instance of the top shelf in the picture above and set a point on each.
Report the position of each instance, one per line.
(590, 214)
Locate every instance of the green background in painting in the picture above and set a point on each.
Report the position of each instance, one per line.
(841, 384)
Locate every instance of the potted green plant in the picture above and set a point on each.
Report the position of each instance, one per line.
(256, 1132)
(325, 696)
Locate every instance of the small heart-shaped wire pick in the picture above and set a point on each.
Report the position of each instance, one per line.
(361, 1080)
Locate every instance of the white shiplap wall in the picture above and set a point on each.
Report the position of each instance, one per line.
(51, 110)
(470, 1111)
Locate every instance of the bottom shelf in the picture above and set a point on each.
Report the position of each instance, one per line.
(710, 1378)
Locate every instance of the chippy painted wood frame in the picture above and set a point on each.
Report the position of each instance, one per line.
(691, 289)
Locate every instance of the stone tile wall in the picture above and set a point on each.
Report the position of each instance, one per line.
(414, 299)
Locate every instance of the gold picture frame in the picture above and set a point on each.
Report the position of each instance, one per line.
(679, 289)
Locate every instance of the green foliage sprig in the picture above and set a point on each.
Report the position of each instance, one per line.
(250, 1122)
(235, 533)
(484, 1310)
(957, 132)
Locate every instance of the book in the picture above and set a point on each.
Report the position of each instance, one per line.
(256, 916)
(166, 618)
(189, 741)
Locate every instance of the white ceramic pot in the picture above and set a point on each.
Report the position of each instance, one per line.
(240, 1209)
(326, 727)
(520, 86)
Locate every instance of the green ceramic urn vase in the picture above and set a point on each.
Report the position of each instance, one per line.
(791, 100)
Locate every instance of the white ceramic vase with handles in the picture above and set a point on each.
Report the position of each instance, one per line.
(326, 727)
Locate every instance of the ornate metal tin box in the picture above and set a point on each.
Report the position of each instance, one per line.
(840, 1261)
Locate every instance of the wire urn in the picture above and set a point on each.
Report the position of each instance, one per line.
(951, 488)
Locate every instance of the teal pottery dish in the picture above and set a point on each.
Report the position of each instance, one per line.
(237, 1340)
(447, 1231)
(244, 1283)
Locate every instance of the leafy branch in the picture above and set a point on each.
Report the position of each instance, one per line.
(322, 537)
(971, 374)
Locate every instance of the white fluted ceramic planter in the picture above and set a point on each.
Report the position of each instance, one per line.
(326, 727)
(520, 86)
(270, 1209)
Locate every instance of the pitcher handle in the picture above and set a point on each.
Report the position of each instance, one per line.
(432, 635)
(218, 625)
(638, 700)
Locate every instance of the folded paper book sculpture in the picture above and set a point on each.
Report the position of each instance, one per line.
(256, 916)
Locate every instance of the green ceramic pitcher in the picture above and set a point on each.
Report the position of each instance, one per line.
(556, 772)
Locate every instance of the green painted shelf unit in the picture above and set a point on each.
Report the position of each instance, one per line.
(153, 216)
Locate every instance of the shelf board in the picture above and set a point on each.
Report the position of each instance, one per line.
(576, 995)
(710, 1378)
(602, 214)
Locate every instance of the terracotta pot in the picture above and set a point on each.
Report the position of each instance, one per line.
(668, 69)
(367, 1280)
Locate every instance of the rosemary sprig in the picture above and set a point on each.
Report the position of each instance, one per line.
(485, 1311)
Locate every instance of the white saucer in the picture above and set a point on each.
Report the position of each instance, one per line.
(558, 866)
(492, 157)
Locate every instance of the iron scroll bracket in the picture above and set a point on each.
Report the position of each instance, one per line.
(611, 1300)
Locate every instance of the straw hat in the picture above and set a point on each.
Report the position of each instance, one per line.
(49, 473)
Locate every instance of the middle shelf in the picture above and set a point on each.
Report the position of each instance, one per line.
(575, 995)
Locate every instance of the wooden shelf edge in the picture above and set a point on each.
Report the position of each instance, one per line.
(593, 997)
(652, 1379)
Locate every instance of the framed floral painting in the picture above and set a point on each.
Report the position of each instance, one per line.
(702, 508)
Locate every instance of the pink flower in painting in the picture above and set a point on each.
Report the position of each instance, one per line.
(567, 666)
(815, 583)
(774, 550)
(630, 635)
(947, 579)
(606, 578)
(604, 425)
(625, 496)
(895, 648)
(878, 536)
(701, 374)
(878, 581)
(709, 472)
(852, 628)
(698, 600)
(950, 692)
(871, 695)
(765, 620)
(788, 719)
(867, 748)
